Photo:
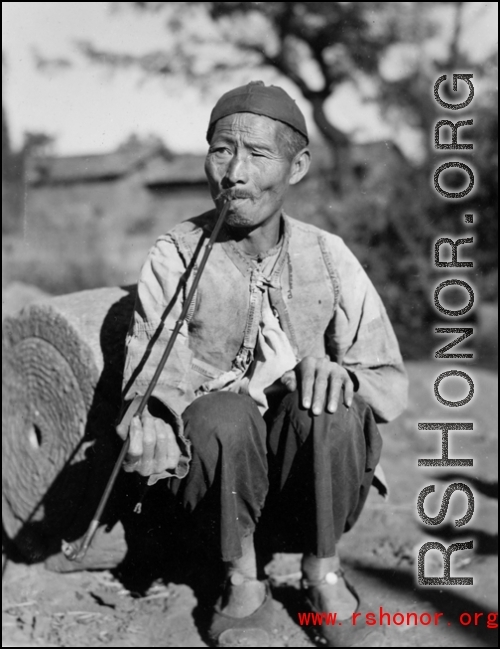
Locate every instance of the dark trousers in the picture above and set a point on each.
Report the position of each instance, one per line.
(308, 476)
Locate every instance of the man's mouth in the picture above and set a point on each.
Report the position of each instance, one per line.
(232, 196)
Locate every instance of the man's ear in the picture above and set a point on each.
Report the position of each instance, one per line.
(300, 166)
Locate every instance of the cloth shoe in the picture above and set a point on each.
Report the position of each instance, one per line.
(322, 596)
(251, 631)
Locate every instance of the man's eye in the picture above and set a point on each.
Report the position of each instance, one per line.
(221, 150)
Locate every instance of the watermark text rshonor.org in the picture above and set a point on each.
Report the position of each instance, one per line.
(451, 264)
(383, 617)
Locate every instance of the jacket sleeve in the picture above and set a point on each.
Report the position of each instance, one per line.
(159, 301)
(362, 339)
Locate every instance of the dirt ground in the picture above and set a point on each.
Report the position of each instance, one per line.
(161, 600)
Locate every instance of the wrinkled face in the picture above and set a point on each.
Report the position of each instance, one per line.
(246, 162)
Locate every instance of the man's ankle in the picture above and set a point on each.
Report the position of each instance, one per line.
(315, 568)
(243, 592)
(327, 589)
(246, 565)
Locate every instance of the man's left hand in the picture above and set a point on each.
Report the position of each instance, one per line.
(321, 382)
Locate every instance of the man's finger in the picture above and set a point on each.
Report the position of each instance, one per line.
(136, 437)
(335, 387)
(289, 380)
(307, 378)
(348, 392)
(123, 427)
(148, 446)
(161, 457)
(174, 452)
(122, 431)
(320, 388)
(134, 454)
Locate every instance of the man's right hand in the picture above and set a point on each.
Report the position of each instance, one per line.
(153, 446)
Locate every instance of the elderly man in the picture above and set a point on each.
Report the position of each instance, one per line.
(286, 360)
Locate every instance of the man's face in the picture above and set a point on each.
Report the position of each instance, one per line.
(246, 162)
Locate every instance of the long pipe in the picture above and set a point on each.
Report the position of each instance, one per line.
(75, 551)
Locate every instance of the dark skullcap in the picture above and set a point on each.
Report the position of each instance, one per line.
(257, 98)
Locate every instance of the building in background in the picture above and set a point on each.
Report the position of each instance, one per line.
(131, 188)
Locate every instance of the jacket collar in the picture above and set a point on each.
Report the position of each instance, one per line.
(244, 263)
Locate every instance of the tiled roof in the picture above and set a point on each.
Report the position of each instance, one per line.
(185, 168)
(170, 169)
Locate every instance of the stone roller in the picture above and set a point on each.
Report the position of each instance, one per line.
(62, 371)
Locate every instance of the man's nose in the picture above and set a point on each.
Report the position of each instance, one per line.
(237, 170)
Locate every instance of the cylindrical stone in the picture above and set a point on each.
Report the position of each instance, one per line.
(62, 362)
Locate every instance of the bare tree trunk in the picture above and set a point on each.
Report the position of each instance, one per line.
(338, 142)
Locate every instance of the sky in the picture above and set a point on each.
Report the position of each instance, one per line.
(89, 109)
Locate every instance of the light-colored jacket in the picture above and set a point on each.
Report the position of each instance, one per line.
(324, 300)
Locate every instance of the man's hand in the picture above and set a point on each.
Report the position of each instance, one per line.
(153, 447)
(320, 382)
